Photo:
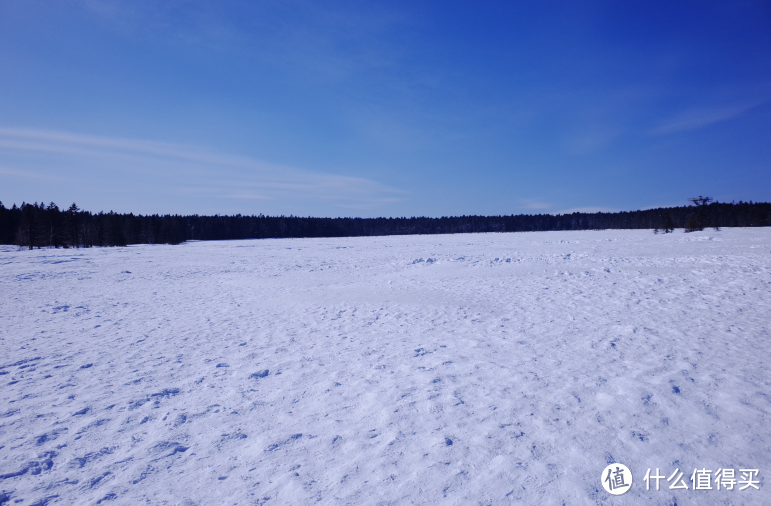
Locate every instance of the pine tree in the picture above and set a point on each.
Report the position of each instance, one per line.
(25, 235)
(666, 224)
(72, 216)
(52, 231)
(696, 221)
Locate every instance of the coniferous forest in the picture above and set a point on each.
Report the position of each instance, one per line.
(40, 225)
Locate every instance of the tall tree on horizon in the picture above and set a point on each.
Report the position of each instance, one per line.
(27, 234)
(696, 220)
(52, 230)
(71, 217)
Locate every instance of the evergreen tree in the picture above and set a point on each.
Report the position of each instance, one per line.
(26, 234)
(52, 225)
(666, 224)
(37, 225)
(72, 225)
(696, 221)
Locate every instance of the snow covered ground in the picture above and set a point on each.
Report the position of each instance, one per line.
(460, 369)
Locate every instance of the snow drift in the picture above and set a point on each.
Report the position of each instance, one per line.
(463, 369)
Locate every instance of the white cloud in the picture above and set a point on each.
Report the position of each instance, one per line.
(5, 171)
(138, 165)
(699, 118)
(534, 204)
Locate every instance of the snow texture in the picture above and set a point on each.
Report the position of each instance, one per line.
(461, 369)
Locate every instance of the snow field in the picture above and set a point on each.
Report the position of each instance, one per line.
(460, 369)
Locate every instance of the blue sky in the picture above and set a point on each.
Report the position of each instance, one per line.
(383, 108)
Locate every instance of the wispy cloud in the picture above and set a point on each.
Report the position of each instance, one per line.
(248, 196)
(590, 139)
(588, 210)
(319, 41)
(533, 204)
(183, 169)
(5, 171)
(68, 143)
(702, 117)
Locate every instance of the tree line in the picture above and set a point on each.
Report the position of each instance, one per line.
(40, 225)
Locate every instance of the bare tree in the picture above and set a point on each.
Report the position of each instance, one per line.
(700, 201)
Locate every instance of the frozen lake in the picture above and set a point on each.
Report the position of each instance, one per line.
(444, 369)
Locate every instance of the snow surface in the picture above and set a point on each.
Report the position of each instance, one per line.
(455, 369)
